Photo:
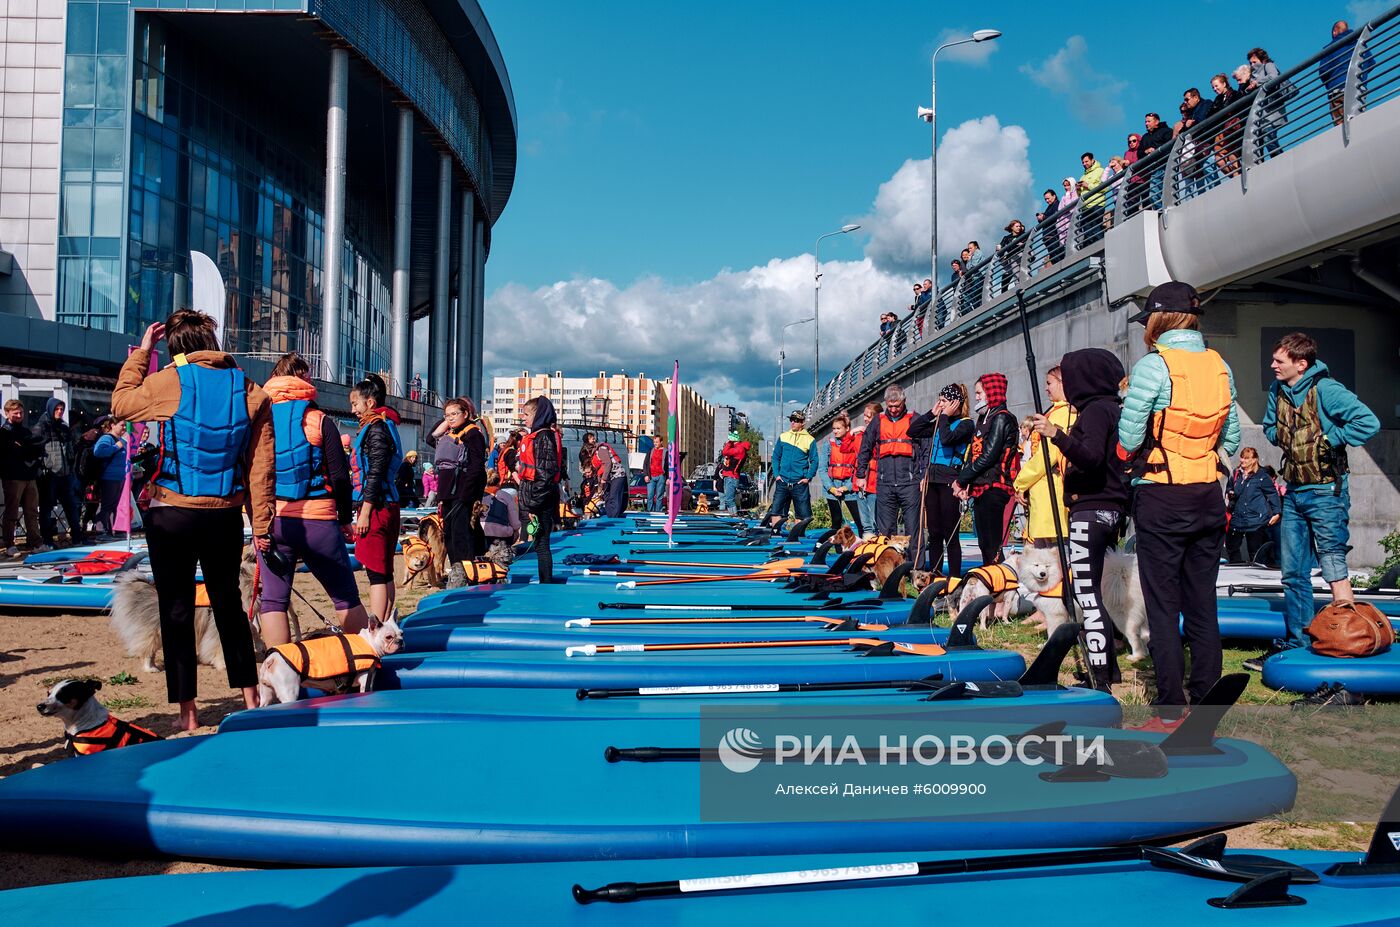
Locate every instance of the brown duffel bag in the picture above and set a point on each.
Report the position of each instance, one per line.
(1351, 629)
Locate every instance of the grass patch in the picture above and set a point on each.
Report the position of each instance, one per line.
(127, 702)
(122, 679)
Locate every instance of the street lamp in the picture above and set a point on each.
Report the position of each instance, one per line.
(816, 307)
(778, 395)
(926, 113)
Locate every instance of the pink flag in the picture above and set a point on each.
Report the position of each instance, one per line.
(673, 456)
(135, 434)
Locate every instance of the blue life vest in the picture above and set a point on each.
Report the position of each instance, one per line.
(952, 456)
(389, 491)
(202, 444)
(301, 472)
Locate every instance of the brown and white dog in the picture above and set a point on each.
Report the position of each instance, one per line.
(279, 680)
(426, 555)
(87, 725)
(135, 617)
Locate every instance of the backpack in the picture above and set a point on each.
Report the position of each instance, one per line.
(1350, 629)
(88, 465)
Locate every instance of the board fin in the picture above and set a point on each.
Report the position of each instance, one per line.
(1195, 735)
(1267, 891)
(997, 688)
(890, 589)
(819, 554)
(1383, 855)
(796, 531)
(1045, 669)
(960, 635)
(839, 565)
(921, 612)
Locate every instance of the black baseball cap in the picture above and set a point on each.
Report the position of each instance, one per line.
(1171, 297)
(797, 416)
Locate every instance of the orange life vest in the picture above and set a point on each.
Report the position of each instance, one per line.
(329, 661)
(997, 577)
(874, 547)
(529, 472)
(109, 735)
(841, 462)
(894, 437)
(1181, 439)
(484, 571)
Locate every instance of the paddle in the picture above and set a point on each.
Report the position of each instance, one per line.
(845, 624)
(831, 605)
(927, 682)
(1205, 858)
(787, 567)
(792, 561)
(762, 576)
(871, 646)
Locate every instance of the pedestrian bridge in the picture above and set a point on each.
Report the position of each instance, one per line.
(1283, 210)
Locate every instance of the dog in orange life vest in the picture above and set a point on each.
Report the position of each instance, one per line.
(87, 725)
(332, 662)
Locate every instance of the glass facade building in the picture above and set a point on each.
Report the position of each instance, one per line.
(173, 142)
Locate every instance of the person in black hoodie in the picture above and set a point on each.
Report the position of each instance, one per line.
(543, 468)
(948, 429)
(1095, 491)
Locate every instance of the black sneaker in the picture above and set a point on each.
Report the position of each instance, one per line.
(1330, 695)
(1256, 664)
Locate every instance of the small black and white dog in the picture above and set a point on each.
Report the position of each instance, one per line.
(87, 725)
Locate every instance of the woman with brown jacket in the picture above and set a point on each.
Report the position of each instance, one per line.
(216, 456)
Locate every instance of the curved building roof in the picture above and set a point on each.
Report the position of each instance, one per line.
(465, 26)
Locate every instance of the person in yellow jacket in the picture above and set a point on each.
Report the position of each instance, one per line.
(1031, 484)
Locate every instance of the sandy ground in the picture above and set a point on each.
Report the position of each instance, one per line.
(37, 651)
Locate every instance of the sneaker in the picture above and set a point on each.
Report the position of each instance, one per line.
(12, 552)
(1330, 695)
(1256, 664)
(41, 549)
(1158, 725)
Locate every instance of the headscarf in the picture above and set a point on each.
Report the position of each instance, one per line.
(952, 392)
(545, 416)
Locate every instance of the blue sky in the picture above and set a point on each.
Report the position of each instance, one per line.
(663, 144)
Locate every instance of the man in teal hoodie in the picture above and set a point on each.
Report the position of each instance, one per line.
(1313, 419)
(794, 464)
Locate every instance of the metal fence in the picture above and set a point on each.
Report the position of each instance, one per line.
(1325, 92)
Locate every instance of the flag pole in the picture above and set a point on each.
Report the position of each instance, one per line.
(673, 458)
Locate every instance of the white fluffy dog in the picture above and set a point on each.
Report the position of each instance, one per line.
(1039, 571)
(135, 616)
(327, 662)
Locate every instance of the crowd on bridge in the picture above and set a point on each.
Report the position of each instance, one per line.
(1151, 448)
(1212, 151)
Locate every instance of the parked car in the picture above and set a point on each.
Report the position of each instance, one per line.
(745, 498)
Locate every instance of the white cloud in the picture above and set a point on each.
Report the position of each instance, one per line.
(726, 329)
(984, 180)
(1363, 11)
(1092, 96)
(975, 53)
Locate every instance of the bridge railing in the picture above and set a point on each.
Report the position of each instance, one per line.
(1326, 91)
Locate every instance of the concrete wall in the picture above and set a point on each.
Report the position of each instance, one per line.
(1081, 318)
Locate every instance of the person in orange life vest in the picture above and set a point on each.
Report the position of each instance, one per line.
(948, 428)
(1179, 410)
(866, 482)
(314, 493)
(611, 473)
(543, 468)
(656, 476)
(993, 461)
(838, 469)
(508, 456)
(900, 461)
(378, 452)
(1094, 490)
(731, 463)
(217, 455)
(459, 453)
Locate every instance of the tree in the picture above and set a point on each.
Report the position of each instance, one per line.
(752, 465)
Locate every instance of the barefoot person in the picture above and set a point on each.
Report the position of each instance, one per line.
(1180, 407)
(313, 505)
(216, 454)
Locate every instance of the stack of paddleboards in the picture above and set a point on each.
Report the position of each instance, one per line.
(535, 759)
